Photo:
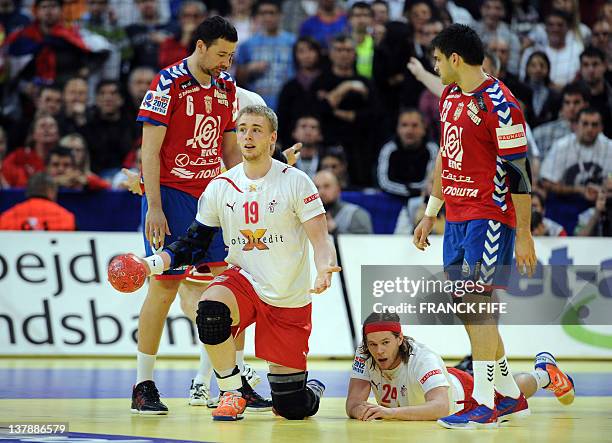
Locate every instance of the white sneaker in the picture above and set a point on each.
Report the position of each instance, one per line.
(213, 402)
(198, 394)
(251, 376)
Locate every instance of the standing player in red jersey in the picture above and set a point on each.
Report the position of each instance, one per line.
(188, 120)
(482, 160)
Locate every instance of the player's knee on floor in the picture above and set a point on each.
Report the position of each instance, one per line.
(214, 322)
(291, 398)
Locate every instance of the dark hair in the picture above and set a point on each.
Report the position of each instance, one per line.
(260, 3)
(38, 2)
(380, 2)
(561, 14)
(360, 5)
(39, 185)
(544, 57)
(540, 196)
(405, 348)
(51, 87)
(589, 110)
(408, 110)
(314, 45)
(494, 59)
(60, 151)
(341, 38)
(103, 83)
(212, 29)
(306, 115)
(536, 219)
(463, 41)
(592, 51)
(576, 88)
(336, 152)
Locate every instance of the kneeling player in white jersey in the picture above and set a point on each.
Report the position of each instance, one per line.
(411, 382)
(268, 211)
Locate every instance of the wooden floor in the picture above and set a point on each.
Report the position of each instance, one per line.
(588, 419)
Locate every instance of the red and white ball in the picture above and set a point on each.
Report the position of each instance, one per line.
(127, 273)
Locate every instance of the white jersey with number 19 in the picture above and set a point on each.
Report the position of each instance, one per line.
(262, 226)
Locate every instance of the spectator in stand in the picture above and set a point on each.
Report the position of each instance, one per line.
(418, 14)
(265, 61)
(59, 165)
(342, 217)
(492, 27)
(578, 33)
(137, 86)
(108, 133)
(540, 224)
(297, 97)
(73, 115)
(361, 20)
(593, 73)
(3, 147)
(524, 17)
(176, 47)
(46, 51)
(600, 38)
(562, 52)
(307, 131)
(406, 161)
(22, 163)
(546, 101)
(39, 212)
(100, 19)
(380, 18)
(578, 164)
(348, 107)
(241, 16)
(329, 21)
(455, 13)
(11, 17)
(574, 98)
(83, 178)
(597, 221)
(147, 34)
(334, 160)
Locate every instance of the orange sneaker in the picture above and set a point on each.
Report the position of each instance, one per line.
(560, 384)
(231, 407)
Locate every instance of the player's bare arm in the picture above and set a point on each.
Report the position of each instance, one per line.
(431, 81)
(357, 398)
(425, 226)
(436, 405)
(156, 226)
(324, 252)
(231, 151)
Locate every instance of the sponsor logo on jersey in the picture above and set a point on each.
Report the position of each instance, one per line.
(205, 133)
(511, 136)
(231, 206)
(448, 175)
(188, 84)
(451, 96)
(219, 279)
(156, 102)
(459, 192)
(311, 198)
(272, 206)
(208, 104)
(429, 374)
(458, 111)
(221, 98)
(477, 120)
(472, 106)
(189, 91)
(359, 365)
(258, 239)
(451, 146)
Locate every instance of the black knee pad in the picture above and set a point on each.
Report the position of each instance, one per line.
(214, 322)
(291, 398)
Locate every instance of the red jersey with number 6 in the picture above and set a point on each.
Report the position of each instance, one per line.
(480, 132)
(196, 118)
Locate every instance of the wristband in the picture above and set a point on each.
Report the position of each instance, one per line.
(434, 204)
(156, 264)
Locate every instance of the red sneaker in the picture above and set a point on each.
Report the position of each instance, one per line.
(231, 407)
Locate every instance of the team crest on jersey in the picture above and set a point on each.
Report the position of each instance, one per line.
(252, 187)
(451, 146)
(458, 111)
(477, 120)
(359, 365)
(155, 101)
(208, 104)
(272, 206)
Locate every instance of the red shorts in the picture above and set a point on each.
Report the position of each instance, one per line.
(281, 334)
(466, 380)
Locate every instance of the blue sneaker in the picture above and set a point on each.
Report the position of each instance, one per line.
(510, 408)
(472, 416)
(560, 384)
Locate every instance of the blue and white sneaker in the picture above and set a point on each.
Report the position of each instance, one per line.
(560, 384)
(472, 416)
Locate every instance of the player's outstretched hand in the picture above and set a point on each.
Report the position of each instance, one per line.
(374, 411)
(323, 280)
(292, 154)
(415, 67)
(524, 250)
(132, 181)
(156, 227)
(127, 273)
(422, 231)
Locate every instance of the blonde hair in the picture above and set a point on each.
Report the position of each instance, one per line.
(262, 111)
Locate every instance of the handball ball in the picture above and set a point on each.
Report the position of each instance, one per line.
(126, 273)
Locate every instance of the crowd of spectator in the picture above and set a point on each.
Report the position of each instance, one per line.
(345, 78)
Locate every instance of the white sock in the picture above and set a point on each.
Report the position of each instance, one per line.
(484, 376)
(205, 370)
(504, 381)
(240, 360)
(145, 364)
(229, 380)
(541, 377)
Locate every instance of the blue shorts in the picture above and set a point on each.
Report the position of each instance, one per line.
(180, 210)
(478, 250)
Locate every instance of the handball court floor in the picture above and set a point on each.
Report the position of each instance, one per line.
(93, 397)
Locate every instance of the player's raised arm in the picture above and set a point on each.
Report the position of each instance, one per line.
(431, 81)
(324, 252)
(156, 226)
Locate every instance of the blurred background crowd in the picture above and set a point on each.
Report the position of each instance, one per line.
(74, 72)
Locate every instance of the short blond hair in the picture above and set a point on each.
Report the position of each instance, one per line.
(262, 111)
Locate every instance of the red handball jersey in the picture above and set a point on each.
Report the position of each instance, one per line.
(196, 117)
(480, 131)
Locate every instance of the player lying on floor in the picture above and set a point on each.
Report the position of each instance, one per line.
(411, 382)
